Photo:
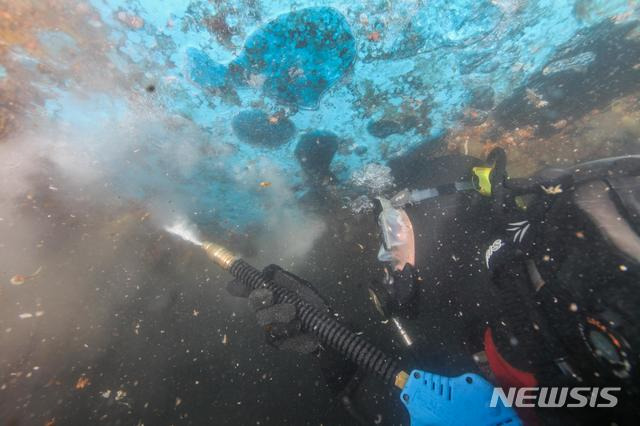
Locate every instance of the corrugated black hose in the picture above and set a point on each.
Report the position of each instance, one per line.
(329, 331)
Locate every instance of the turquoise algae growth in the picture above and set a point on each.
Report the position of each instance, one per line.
(253, 77)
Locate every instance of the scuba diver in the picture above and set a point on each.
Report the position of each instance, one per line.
(530, 282)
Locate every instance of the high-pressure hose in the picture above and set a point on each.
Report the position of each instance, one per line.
(329, 331)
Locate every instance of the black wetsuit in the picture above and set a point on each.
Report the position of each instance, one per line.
(548, 278)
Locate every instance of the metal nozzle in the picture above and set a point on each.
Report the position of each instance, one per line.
(405, 336)
(223, 257)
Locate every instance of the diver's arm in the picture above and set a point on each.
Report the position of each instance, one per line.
(279, 321)
(282, 329)
(430, 399)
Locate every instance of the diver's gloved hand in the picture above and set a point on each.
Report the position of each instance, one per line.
(397, 295)
(283, 329)
(279, 320)
(405, 288)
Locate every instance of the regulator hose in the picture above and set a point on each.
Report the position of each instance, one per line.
(328, 330)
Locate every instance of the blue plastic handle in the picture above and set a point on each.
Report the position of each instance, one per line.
(434, 400)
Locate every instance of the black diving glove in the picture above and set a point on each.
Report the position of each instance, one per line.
(279, 321)
(397, 294)
(283, 330)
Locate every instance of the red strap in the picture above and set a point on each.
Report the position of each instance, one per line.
(509, 376)
(506, 374)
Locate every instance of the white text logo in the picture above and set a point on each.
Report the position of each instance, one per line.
(553, 397)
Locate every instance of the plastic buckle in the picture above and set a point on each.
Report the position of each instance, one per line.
(482, 180)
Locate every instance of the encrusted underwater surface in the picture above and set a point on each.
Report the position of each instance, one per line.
(384, 77)
(299, 55)
(116, 116)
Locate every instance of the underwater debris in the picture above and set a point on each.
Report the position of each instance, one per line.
(20, 279)
(27, 315)
(374, 177)
(535, 99)
(315, 150)
(82, 382)
(301, 54)
(551, 189)
(256, 127)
